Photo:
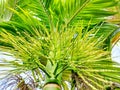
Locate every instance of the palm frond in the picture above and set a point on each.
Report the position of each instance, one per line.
(72, 11)
(5, 13)
(51, 43)
(38, 9)
(17, 82)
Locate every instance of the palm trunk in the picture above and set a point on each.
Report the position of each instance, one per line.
(52, 86)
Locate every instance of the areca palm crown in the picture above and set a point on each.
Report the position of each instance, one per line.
(60, 43)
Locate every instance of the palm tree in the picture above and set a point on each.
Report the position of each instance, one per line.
(59, 44)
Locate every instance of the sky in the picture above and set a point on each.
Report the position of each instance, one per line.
(115, 53)
(4, 57)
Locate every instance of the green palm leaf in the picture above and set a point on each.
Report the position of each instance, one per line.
(50, 37)
(5, 13)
